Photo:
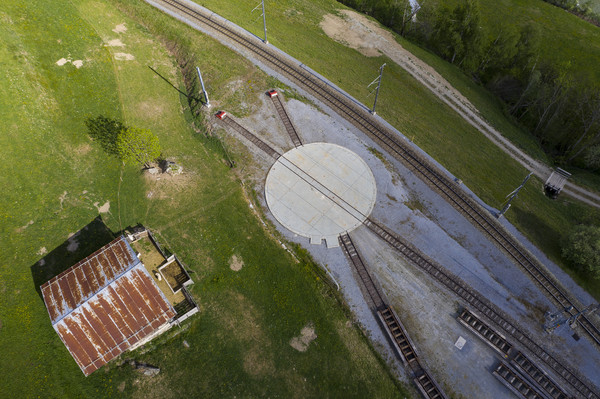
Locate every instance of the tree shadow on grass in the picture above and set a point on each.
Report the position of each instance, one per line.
(82, 244)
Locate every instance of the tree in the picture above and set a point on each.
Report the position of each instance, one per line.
(137, 146)
(105, 131)
(592, 157)
(457, 34)
(588, 110)
(582, 247)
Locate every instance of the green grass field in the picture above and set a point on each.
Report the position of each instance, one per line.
(55, 178)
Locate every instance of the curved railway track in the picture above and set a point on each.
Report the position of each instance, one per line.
(356, 115)
(392, 325)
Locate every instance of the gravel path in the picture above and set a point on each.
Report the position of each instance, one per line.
(357, 31)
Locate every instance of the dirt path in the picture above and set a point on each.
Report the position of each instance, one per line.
(358, 32)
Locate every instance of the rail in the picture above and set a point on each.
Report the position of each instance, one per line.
(384, 136)
(283, 115)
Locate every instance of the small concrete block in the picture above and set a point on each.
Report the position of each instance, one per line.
(316, 240)
(460, 342)
(332, 242)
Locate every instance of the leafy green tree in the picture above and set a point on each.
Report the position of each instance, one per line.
(137, 146)
(457, 34)
(582, 247)
(592, 157)
(499, 53)
(105, 131)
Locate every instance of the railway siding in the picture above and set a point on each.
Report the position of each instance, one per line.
(435, 177)
(285, 119)
(513, 381)
(387, 138)
(391, 325)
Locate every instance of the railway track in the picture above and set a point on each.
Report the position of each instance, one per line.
(396, 332)
(521, 364)
(386, 138)
(229, 121)
(484, 307)
(528, 368)
(404, 347)
(515, 383)
(283, 115)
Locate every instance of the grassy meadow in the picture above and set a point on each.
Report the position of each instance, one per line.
(418, 114)
(56, 178)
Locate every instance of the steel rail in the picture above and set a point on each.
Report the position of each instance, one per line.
(429, 173)
(391, 324)
(287, 122)
(483, 306)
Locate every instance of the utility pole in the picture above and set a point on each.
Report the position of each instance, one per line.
(555, 320)
(378, 81)
(207, 104)
(262, 3)
(513, 196)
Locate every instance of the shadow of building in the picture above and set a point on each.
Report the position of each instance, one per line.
(80, 245)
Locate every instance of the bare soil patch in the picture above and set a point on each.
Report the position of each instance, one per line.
(236, 263)
(124, 57)
(104, 208)
(116, 43)
(62, 198)
(302, 342)
(121, 28)
(22, 228)
(357, 31)
(167, 186)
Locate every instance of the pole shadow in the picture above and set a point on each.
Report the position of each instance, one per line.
(82, 244)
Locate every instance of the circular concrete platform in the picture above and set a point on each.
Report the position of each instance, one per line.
(320, 190)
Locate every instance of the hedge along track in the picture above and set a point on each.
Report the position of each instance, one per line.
(386, 138)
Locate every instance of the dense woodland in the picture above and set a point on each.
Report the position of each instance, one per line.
(557, 104)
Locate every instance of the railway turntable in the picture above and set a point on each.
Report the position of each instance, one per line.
(320, 191)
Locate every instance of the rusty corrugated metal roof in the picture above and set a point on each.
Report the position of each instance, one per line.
(105, 304)
(80, 282)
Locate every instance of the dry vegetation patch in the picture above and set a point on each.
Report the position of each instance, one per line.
(303, 341)
(236, 263)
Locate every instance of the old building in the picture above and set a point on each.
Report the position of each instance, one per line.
(117, 299)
